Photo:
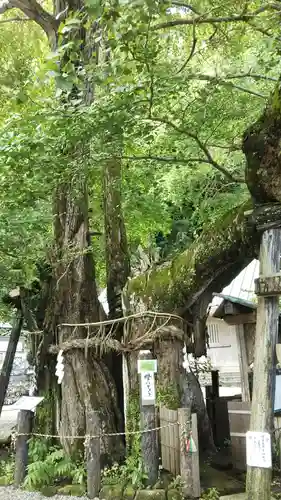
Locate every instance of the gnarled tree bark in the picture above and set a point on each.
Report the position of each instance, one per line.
(87, 383)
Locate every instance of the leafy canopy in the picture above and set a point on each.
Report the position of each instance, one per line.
(181, 85)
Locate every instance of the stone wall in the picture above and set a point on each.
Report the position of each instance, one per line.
(159, 492)
(21, 375)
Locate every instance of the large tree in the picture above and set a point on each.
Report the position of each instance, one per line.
(125, 95)
(72, 295)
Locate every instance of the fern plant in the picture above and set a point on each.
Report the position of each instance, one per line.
(211, 494)
(47, 469)
(130, 473)
(38, 449)
(7, 471)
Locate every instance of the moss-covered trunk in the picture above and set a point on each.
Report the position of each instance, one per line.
(170, 373)
(261, 146)
(178, 388)
(132, 405)
(210, 262)
(184, 286)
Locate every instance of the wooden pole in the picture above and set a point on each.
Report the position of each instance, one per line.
(149, 442)
(93, 455)
(243, 363)
(196, 486)
(24, 427)
(9, 358)
(215, 384)
(215, 396)
(185, 427)
(259, 479)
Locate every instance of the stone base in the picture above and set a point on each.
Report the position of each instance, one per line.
(238, 496)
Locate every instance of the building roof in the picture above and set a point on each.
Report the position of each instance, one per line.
(243, 306)
(237, 300)
(240, 290)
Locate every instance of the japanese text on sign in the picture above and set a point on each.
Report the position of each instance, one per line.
(147, 388)
(258, 445)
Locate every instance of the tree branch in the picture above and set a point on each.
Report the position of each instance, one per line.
(219, 81)
(251, 75)
(201, 145)
(203, 19)
(192, 50)
(166, 159)
(229, 147)
(207, 264)
(14, 19)
(35, 12)
(183, 161)
(261, 30)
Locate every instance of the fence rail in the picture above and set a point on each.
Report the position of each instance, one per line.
(178, 444)
(174, 440)
(170, 442)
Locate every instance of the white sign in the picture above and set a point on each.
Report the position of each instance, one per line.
(147, 388)
(147, 365)
(60, 367)
(258, 446)
(26, 403)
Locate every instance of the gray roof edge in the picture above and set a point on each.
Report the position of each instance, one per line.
(235, 300)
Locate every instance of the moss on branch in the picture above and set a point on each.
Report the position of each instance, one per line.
(219, 253)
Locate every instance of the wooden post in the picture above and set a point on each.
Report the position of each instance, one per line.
(149, 440)
(196, 488)
(9, 358)
(215, 396)
(243, 362)
(184, 415)
(215, 384)
(24, 428)
(93, 455)
(210, 406)
(259, 479)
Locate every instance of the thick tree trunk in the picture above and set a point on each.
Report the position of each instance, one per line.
(178, 388)
(87, 384)
(132, 404)
(192, 395)
(117, 258)
(263, 176)
(262, 149)
(170, 372)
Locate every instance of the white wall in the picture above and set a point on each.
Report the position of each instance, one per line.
(223, 351)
